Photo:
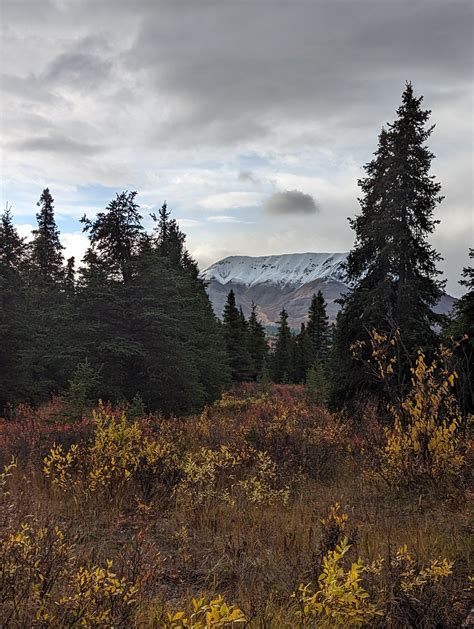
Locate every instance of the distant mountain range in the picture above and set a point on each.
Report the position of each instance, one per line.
(284, 281)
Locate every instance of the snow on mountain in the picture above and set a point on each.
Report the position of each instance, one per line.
(291, 269)
(285, 281)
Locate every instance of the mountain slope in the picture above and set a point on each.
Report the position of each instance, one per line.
(274, 282)
(282, 281)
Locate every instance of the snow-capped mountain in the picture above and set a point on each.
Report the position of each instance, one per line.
(274, 282)
(291, 269)
(283, 281)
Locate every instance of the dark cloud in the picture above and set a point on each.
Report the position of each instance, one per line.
(78, 70)
(57, 144)
(336, 63)
(248, 176)
(290, 202)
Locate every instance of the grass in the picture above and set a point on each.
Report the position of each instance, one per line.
(201, 520)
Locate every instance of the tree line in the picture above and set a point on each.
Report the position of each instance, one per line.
(134, 320)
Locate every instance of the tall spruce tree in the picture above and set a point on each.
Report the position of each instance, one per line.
(257, 343)
(318, 328)
(14, 323)
(283, 355)
(208, 344)
(237, 343)
(392, 266)
(46, 357)
(461, 328)
(304, 354)
(47, 251)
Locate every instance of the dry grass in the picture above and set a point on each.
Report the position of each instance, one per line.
(210, 518)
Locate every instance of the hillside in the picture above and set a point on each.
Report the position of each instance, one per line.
(277, 281)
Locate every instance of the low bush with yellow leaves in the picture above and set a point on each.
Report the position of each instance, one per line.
(340, 599)
(43, 582)
(213, 613)
(227, 475)
(119, 452)
(424, 444)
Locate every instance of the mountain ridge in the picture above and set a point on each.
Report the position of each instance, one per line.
(287, 281)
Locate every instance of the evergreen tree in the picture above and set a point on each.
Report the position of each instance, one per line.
(461, 329)
(392, 266)
(209, 345)
(46, 358)
(116, 235)
(257, 343)
(236, 338)
(318, 328)
(282, 359)
(316, 384)
(14, 323)
(304, 354)
(70, 275)
(47, 250)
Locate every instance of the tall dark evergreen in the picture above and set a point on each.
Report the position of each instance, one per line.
(461, 328)
(283, 356)
(304, 354)
(237, 342)
(14, 323)
(47, 251)
(392, 266)
(257, 343)
(318, 328)
(116, 235)
(45, 358)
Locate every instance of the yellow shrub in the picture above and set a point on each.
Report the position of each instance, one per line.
(33, 559)
(216, 613)
(119, 452)
(41, 582)
(93, 594)
(259, 487)
(413, 578)
(206, 475)
(340, 600)
(424, 442)
(58, 465)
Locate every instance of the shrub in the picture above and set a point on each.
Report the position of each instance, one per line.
(215, 613)
(425, 444)
(43, 584)
(340, 600)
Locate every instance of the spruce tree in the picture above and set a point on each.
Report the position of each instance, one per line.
(318, 328)
(47, 249)
(283, 356)
(14, 319)
(236, 338)
(46, 358)
(116, 235)
(304, 354)
(257, 343)
(392, 267)
(461, 328)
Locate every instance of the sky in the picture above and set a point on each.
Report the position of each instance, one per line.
(252, 119)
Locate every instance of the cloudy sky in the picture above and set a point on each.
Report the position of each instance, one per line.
(252, 119)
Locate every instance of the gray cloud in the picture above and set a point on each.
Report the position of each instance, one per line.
(290, 202)
(79, 70)
(248, 176)
(57, 144)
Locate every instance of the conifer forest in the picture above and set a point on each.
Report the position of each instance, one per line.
(164, 465)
